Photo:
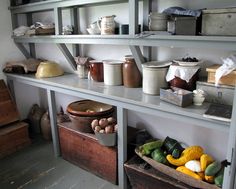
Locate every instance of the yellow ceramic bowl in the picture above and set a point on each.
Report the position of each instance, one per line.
(48, 69)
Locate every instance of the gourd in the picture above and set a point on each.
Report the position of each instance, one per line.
(202, 175)
(213, 168)
(219, 178)
(209, 179)
(147, 148)
(193, 165)
(159, 156)
(205, 160)
(188, 172)
(190, 153)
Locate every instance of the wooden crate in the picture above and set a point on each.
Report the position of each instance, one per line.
(8, 110)
(13, 137)
(84, 150)
(229, 79)
(142, 175)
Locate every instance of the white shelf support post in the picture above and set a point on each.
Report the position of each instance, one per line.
(67, 55)
(122, 145)
(146, 11)
(31, 45)
(137, 54)
(74, 22)
(133, 17)
(53, 121)
(58, 20)
(230, 171)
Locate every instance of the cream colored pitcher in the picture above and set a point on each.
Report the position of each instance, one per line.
(107, 25)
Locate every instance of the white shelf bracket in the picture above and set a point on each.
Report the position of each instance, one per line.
(67, 55)
(137, 54)
(24, 51)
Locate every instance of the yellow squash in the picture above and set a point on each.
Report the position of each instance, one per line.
(205, 160)
(190, 153)
(209, 179)
(186, 171)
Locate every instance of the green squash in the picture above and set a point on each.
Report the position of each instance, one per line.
(159, 156)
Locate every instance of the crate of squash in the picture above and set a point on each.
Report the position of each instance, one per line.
(190, 165)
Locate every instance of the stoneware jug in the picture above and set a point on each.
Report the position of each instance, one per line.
(107, 25)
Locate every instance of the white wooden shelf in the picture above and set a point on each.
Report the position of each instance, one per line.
(213, 42)
(129, 98)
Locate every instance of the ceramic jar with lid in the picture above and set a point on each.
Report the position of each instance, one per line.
(131, 74)
(113, 72)
(154, 77)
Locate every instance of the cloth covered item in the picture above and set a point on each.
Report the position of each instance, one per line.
(24, 66)
(184, 73)
(20, 31)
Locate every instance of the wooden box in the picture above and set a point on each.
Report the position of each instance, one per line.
(84, 150)
(177, 96)
(141, 175)
(8, 110)
(229, 79)
(13, 137)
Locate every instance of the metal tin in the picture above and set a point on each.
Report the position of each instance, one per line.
(223, 94)
(182, 25)
(219, 22)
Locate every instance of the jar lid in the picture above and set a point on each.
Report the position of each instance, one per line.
(156, 64)
(112, 62)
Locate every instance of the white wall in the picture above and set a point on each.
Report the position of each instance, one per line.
(214, 142)
(8, 50)
(25, 95)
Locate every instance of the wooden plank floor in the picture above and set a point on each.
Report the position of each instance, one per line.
(35, 167)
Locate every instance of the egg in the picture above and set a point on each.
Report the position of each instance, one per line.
(97, 128)
(109, 129)
(94, 123)
(103, 123)
(111, 120)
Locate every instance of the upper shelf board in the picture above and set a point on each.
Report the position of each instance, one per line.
(172, 41)
(51, 4)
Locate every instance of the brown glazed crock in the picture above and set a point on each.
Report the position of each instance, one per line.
(96, 70)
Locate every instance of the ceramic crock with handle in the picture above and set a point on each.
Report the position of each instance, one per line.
(107, 25)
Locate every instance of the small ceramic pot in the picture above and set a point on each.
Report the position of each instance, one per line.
(198, 100)
(96, 70)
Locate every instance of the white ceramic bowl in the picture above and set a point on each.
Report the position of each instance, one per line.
(48, 69)
(93, 31)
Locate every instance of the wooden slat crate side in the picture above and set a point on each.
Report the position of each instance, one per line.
(13, 137)
(4, 96)
(8, 113)
(8, 110)
(87, 153)
(150, 178)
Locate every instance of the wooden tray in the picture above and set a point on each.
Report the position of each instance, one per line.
(176, 174)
